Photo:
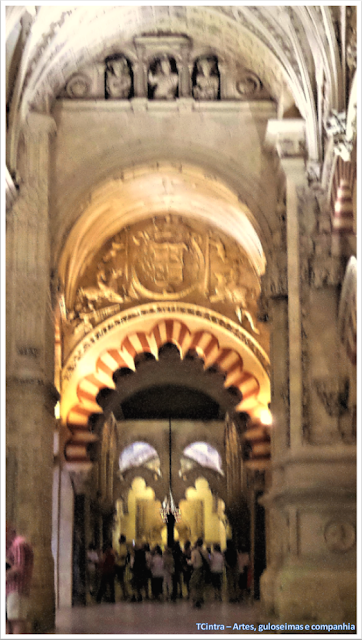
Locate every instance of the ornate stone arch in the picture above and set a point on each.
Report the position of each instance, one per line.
(218, 342)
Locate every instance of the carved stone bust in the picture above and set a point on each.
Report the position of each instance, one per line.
(118, 78)
(163, 79)
(206, 78)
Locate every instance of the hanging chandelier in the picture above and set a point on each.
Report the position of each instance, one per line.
(169, 507)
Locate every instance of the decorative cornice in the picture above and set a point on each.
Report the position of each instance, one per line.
(38, 124)
(287, 136)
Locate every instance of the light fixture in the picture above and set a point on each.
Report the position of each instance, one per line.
(57, 410)
(169, 507)
(170, 514)
(266, 417)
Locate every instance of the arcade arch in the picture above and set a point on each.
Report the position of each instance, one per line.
(116, 348)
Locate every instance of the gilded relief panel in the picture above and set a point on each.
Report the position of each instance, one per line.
(164, 259)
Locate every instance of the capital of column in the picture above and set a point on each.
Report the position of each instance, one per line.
(288, 139)
(39, 124)
(80, 480)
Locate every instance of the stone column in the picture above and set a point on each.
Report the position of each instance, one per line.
(31, 395)
(184, 75)
(81, 483)
(140, 78)
(310, 576)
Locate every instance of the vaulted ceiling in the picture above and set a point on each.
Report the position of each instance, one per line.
(294, 50)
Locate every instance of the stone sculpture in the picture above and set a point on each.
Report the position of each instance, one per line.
(227, 290)
(206, 79)
(163, 81)
(118, 78)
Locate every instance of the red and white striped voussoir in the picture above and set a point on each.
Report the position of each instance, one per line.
(343, 210)
(343, 184)
(203, 342)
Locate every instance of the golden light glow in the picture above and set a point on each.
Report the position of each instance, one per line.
(266, 417)
(57, 410)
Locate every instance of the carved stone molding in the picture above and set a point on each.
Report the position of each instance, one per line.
(351, 39)
(336, 128)
(39, 124)
(339, 536)
(287, 137)
(314, 173)
(81, 481)
(275, 281)
(329, 392)
(347, 312)
(326, 271)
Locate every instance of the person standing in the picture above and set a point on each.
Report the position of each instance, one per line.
(19, 571)
(176, 578)
(243, 564)
(139, 570)
(232, 575)
(157, 570)
(187, 567)
(199, 562)
(168, 573)
(107, 573)
(92, 567)
(120, 565)
(217, 570)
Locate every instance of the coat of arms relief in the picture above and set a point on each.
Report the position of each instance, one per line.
(166, 258)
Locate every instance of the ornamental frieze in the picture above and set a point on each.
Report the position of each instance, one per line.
(164, 68)
(163, 259)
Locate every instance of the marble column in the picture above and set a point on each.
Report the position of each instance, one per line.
(31, 395)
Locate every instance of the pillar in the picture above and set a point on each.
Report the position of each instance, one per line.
(31, 396)
(184, 72)
(310, 575)
(140, 78)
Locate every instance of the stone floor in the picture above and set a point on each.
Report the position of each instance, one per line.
(158, 618)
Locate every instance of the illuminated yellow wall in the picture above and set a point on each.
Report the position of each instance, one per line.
(143, 515)
(213, 514)
(202, 514)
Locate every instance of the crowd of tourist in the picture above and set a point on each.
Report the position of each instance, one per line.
(194, 572)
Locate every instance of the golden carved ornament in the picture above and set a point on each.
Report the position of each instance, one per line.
(165, 258)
